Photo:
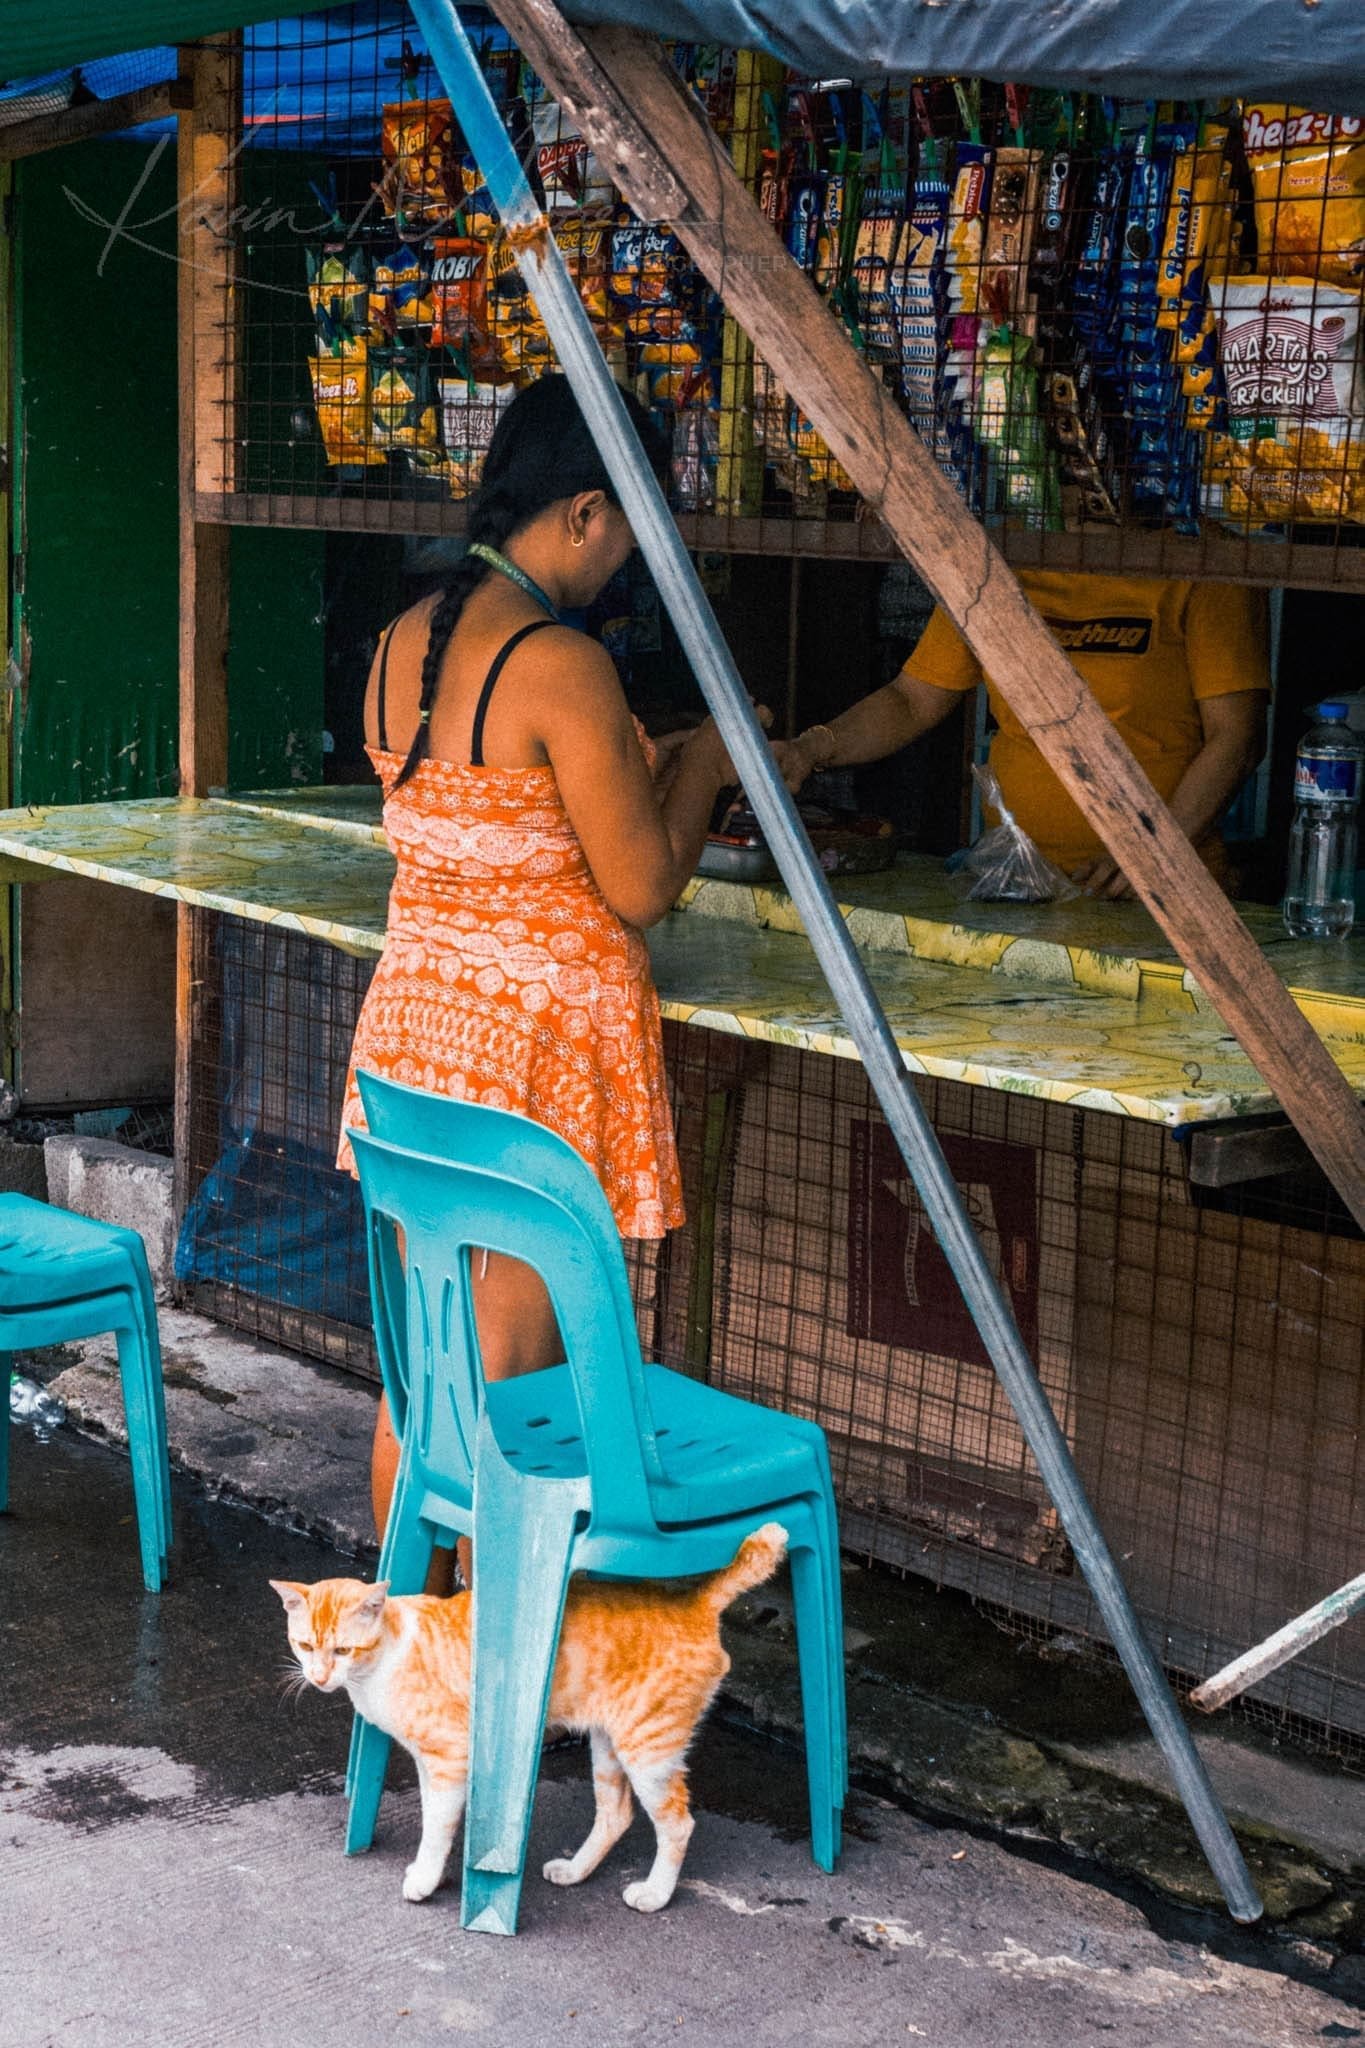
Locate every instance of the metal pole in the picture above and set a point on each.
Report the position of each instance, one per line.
(576, 345)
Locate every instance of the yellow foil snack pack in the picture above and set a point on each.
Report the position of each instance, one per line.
(1308, 171)
(421, 179)
(1197, 225)
(341, 396)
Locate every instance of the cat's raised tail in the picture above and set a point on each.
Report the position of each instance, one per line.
(756, 1559)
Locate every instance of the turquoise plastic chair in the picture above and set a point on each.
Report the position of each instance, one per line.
(600, 1464)
(63, 1277)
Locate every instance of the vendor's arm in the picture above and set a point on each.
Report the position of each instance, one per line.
(1229, 641)
(938, 673)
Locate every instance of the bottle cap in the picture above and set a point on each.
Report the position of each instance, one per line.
(1332, 711)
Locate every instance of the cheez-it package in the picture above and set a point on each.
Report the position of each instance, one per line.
(1309, 176)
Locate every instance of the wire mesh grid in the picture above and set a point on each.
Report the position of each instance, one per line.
(1129, 334)
(1204, 1360)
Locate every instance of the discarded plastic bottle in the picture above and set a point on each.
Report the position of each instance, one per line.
(1319, 897)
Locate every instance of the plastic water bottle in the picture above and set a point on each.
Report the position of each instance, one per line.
(1319, 898)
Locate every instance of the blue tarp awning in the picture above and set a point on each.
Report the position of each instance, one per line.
(1310, 52)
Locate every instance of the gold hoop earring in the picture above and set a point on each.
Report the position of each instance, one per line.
(576, 539)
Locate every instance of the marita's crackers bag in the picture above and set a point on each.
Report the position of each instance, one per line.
(1289, 350)
(1309, 174)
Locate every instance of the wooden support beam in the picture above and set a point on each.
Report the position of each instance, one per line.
(654, 140)
(93, 117)
(205, 164)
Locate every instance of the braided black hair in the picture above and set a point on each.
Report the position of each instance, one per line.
(542, 450)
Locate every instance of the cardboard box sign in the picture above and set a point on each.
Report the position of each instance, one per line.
(901, 1289)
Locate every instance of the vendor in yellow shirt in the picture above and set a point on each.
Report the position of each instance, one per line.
(1181, 668)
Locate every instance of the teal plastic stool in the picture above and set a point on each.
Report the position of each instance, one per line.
(601, 1464)
(63, 1277)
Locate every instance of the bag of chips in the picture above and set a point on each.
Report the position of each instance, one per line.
(1308, 171)
(459, 293)
(341, 397)
(421, 152)
(470, 410)
(569, 172)
(400, 295)
(1289, 355)
(584, 240)
(402, 404)
(339, 288)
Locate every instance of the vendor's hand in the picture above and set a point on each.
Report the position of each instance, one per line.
(794, 763)
(1104, 878)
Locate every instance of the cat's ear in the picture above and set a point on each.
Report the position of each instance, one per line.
(372, 1606)
(293, 1596)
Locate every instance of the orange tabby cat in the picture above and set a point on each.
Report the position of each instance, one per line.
(638, 1666)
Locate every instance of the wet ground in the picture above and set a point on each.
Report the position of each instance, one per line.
(171, 1870)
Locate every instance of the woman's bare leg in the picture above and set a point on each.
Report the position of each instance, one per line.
(517, 1334)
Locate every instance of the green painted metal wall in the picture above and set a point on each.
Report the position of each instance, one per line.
(95, 339)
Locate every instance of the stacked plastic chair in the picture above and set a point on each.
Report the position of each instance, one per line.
(63, 1277)
(601, 1464)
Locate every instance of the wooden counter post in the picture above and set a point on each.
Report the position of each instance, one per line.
(650, 135)
(206, 315)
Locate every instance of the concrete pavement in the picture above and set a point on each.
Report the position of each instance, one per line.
(170, 1830)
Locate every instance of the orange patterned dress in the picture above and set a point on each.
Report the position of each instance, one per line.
(506, 979)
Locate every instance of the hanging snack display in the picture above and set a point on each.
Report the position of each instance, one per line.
(1308, 171)
(1093, 313)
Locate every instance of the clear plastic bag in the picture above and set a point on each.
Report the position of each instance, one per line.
(1004, 864)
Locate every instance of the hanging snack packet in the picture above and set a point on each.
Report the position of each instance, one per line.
(1289, 353)
(1056, 230)
(470, 410)
(341, 397)
(1308, 171)
(400, 295)
(1149, 184)
(421, 156)
(459, 293)
(1009, 230)
(805, 198)
(1288, 345)
(967, 225)
(1197, 217)
(875, 249)
(402, 404)
(569, 172)
(584, 241)
(338, 287)
(1300, 474)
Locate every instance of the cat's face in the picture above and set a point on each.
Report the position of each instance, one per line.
(335, 1628)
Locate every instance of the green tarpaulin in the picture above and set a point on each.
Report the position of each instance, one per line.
(1308, 51)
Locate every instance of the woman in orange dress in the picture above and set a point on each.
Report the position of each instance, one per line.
(532, 846)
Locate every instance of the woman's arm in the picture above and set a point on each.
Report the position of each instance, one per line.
(1234, 741)
(641, 850)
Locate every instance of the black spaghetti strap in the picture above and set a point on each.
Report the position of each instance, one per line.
(500, 659)
(381, 718)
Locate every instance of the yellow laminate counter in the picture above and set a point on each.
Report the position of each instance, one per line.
(1081, 1003)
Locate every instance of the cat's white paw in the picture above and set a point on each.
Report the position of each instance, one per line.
(419, 1884)
(560, 1870)
(645, 1897)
